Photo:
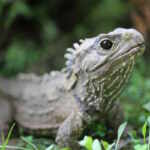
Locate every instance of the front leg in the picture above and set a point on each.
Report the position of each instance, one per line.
(70, 130)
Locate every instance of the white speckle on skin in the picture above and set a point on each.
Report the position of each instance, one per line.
(76, 45)
(123, 64)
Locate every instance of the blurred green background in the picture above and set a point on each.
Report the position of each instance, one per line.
(34, 35)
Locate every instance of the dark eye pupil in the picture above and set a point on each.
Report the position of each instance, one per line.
(106, 44)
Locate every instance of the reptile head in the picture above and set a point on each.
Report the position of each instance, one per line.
(103, 64)
(105, 52)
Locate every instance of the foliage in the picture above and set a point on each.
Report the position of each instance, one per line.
(19, 56)
(34, 35)
(45, 25)
(135, 142)
(5, 141)
(91, 144)
(144, 144)
(137, 94)
(120, 132)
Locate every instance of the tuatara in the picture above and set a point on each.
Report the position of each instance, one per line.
(64, 102)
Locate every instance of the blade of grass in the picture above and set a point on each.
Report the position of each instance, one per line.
(7, 138)
(144, 129)
(148, 121)
(2, 137)
(31, 144)
(13, 147)
(148, 146)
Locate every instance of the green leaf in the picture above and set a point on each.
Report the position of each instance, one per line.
(144, 129)
(51, 147)
(111, 146)
(120, 132)
(54, 147)
(105, 144)
(140, 147)
(147, 106)
(148, 145)
(148, 121)
(96, 145)
(87, 142)
(133, 136)
(66, 149)
(121, 129)
(4, 145)
(29, 141)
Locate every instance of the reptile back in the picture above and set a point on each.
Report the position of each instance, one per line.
(39, 101)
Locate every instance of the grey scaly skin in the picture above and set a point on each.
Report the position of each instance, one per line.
(64, 103)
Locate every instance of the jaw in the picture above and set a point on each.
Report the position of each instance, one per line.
(128, 54)
(118, 60)
(107, 84)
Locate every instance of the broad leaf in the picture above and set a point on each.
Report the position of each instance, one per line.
(144, 129)
(120, 132)
(96, 145)
(87, 142)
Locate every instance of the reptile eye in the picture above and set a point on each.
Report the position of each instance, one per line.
(106, 44)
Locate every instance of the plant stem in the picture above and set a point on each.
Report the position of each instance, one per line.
(13, 147)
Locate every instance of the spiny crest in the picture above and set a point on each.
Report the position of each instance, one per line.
(71, 55)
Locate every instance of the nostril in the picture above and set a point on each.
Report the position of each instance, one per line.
(139, 38)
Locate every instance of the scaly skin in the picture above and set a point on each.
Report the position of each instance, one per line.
(65, 102)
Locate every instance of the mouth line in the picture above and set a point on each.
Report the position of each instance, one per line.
(135, 47)
(122, 56)
(130, 52)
